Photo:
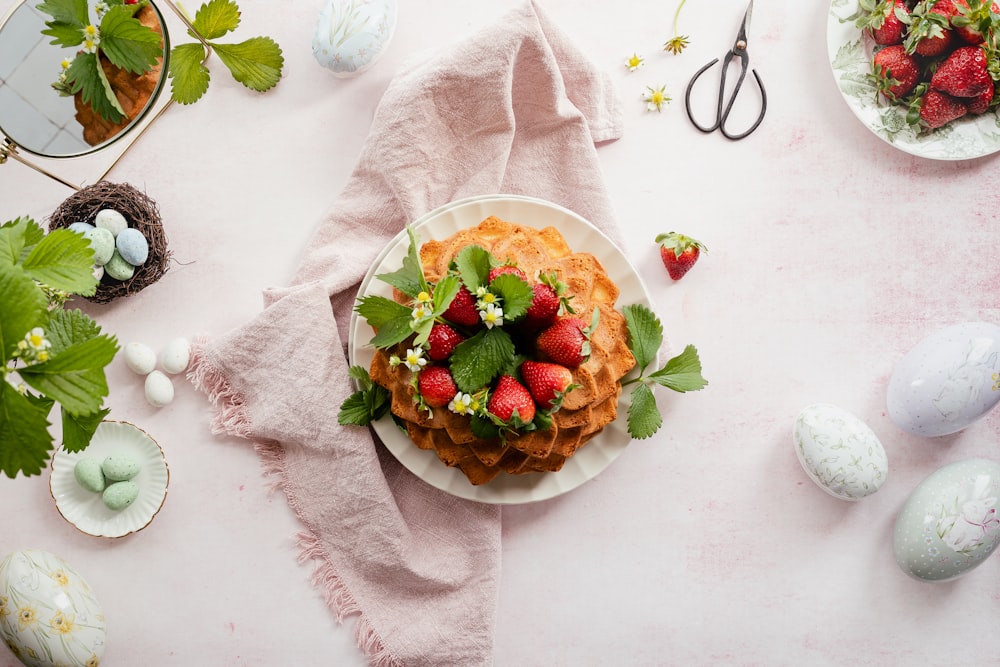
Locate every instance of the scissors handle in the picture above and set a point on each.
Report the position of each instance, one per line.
(724, 107)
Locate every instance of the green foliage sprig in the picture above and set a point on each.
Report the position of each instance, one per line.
(49, 354)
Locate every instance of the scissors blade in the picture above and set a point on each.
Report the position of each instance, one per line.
(741, 37)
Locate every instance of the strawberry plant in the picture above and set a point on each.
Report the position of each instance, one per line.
(49, 354)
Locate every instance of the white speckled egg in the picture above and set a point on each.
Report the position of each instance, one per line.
(159, 389)
(140, 358)
(118, 268)
(839, 452)
(174, 357)
(48, 613)
(948, 526)
(350, 36)
(111, 220)
(132, 246)
(948, 381)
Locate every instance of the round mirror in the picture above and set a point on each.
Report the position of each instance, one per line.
(44, 57)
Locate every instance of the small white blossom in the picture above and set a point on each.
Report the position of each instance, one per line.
(91, 39)
(492, 316)
(415, 359)
(461, 404)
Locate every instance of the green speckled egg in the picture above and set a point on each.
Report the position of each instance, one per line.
(89, 475)
(118, 268)
(120, 467)
(120, 495)
(102, 242)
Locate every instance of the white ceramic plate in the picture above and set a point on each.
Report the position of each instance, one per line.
(850, 57)
(85, 509)
(581, 237)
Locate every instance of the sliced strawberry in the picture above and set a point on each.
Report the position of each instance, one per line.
(548, 383)
(679, 253)
(509, 397)
(442, 341)
(436, 386)
(462, 309)
(895, 72)
(937, 109)
(964, 73)
(566, 342)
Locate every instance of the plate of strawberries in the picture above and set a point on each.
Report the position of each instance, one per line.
(920, 74)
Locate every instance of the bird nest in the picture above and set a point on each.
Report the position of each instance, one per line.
(140, 212)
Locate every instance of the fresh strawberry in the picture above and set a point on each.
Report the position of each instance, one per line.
(973, 20)
(436, 386)
(511, 396)
(462, 309)
(980, 104)
(881, 19)
(679, 253)
(505, 268)
(895, 72)
(548, 383)
(930, 32)
(566, 342)
(442, 341)
(964, 73)
(548, 302)
(937, 109)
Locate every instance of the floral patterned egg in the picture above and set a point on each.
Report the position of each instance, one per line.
(947, 381)
(839, 452)
(352, 34)
(48, 613)
(949, 525)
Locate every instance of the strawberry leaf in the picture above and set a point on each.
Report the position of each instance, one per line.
(368, 404)
(69, 18)
(645, 334)
(216, 18)
(643, 416)
(682, 373)
(476, 361)
(64, 261)
(23, 305)
(473, 265)
(444, 293)
(75, 376)
(127, 43)
(78, 430)
(15, 236)
(393, 331)
(256, 63)
(379, 311)
(408, 279)
(189, 77)
(86, 76)
(515, 295)
(25, 441)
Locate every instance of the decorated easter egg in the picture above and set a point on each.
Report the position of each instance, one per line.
(102, 243)
(48, 613)
(139, 358)
(839, 452)
(118, 268)
(111, 220)
(174, 357)
(132, 246)
(351, 36)
(159, 389)
(948, 381)
(949, 525)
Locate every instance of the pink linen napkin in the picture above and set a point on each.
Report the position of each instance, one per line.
(513, 109)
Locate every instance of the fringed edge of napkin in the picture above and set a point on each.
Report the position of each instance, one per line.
(231, 418)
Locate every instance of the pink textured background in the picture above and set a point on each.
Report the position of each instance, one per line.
(830, 255)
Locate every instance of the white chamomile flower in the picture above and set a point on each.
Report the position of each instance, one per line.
(91, 38)
(461, 404)
(420, 312)
(415, 359)
(492, 316)
(634, 62)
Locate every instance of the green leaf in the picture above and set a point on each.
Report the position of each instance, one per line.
(78, 430)
(215, 18)
(645, 334)
(17, 234)
(477, 360)
(643, 416)
(74, 377)
(128, 43)
(409, 278)
(256, 63)
(188, 75)
(68, 327)
(25, 441)
(473, 265)
(379, 310)
(364, 406)
(444, 293)
(86, 76)
(64, 261)
(69, 18)
(682, 373)
(22, 306)
(393, 332)
(515, 294)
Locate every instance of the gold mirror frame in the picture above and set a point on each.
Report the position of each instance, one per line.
(9, 148)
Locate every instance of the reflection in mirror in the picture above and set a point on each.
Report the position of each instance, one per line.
(36, 116)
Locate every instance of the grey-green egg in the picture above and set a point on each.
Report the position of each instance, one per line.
(102, 242)
(89, 475)
(120, 467)
(118, 268)
(120, 495)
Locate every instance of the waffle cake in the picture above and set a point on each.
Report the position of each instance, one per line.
(586, 409)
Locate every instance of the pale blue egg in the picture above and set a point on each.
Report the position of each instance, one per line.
(132, 246)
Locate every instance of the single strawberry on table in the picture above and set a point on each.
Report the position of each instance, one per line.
(679, 253)
(436, 386)
(547, 382)
(511, 396)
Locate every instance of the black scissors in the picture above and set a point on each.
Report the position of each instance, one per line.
(739, 50)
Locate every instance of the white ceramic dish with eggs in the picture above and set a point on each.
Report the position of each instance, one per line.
(49, 615)
(86, 510)
(949, 526)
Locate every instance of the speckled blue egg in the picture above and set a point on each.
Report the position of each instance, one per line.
(132, 246)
